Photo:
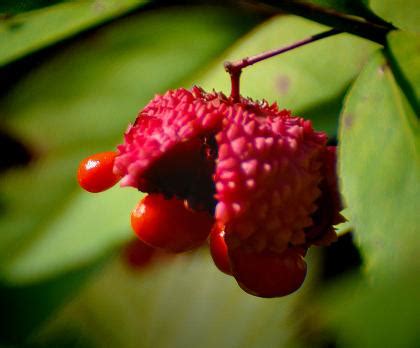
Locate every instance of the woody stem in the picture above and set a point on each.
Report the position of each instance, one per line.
(235, 68)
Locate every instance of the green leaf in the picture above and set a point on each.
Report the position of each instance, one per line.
(404, 50)
(380, 171)
(28, 32)
(183, 301)
(403, 14)
(301, 80)
(78, 103)
(380, 168)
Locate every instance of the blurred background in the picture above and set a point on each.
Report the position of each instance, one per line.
(74, 74)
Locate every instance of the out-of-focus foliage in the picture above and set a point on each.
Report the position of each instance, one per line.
(30, 31)
(25, 307)
(24, 33)
(183, 301)
(79, 97)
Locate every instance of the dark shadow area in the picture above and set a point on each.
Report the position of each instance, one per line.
(12, 152)
(404, 83)
(332, 141)
(340, 258)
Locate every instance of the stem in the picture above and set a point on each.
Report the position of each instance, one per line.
(235, 68)
(367, 29)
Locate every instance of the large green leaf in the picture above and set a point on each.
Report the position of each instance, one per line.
(27, 32)
(80, 102)
(301, 80)
(380, 168)
(380, 174)
(182, 302)
(404, 48)
(403, 14)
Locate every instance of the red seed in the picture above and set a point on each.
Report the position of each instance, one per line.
(137, 254)
(267, 273)
(95, 173)
(167, 224)
(218, 249)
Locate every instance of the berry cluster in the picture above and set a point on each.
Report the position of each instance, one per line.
(257, 180)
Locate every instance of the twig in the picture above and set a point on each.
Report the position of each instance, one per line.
(235, 68)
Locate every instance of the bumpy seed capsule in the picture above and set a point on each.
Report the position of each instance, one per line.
(263, 174)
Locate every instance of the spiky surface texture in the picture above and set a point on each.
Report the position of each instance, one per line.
(170, 148)
(260, 170)
(267, 175)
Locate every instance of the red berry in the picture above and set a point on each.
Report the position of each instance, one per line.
(218, 249)
(138, 254)
(95, 173)
(167, 224)
(267, 273)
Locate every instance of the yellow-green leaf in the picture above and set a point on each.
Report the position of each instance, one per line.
(380, 169)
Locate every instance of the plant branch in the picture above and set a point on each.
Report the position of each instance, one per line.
(235, 68)
(351, 24)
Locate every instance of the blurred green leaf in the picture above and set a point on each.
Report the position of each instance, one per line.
(24, 308)
(78, 103)
(182, 302)
(9, 7)
(380, 169)
(403, 14)
(404, 49)
(380, 314)
(301, 80)
(27, 32)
